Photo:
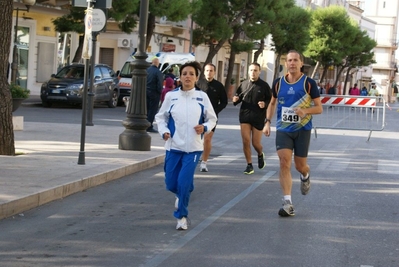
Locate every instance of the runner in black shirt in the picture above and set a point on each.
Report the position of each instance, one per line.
(217, 94)
(254, 95)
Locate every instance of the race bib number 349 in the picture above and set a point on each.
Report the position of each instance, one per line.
(288, 115)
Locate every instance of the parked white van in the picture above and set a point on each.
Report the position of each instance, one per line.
(167, 60)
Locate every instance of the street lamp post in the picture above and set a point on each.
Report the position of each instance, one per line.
(135, 136)
(14, 64)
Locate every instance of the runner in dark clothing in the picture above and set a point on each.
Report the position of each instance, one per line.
(254, 95)
(218, 97)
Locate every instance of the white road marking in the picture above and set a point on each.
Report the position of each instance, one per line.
(173, 247)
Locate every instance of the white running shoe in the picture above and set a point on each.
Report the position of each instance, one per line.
(181, 224)
(287, 209)
(203, 167)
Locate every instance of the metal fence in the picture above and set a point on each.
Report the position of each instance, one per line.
(351, 113)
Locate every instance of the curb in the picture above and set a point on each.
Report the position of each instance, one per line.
(35, 200)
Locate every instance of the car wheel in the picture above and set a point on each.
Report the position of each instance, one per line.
(46, 104)
(113, 102)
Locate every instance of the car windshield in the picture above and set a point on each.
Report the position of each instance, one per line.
(71, 72)
(126, 71)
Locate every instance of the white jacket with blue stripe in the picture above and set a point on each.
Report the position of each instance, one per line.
(179, 113)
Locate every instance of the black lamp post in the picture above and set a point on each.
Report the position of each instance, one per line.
(135, 136)
(14, 64)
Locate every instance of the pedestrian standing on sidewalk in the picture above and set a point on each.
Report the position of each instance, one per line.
(185, 116)
(218, 97)
(154, 90)
(254, 95)
(364, 91)
(373, 91)
(293, 95)
(354, 90)
(169, 86)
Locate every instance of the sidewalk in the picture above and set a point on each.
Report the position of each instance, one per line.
(46, 168)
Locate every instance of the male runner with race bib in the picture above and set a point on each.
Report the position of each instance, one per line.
(297, 98)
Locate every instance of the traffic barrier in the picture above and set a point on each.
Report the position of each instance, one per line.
(352, 101)
(365, 113)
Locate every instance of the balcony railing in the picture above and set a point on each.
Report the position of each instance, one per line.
(359, 4)
(387, 42)
(385, 64)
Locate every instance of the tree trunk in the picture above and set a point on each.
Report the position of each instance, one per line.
(346, 81)
(259, 51)
(315, 70)
(213, 50)
(230, 71)
(6, 127)
(276, 66)
(79, 50)
(150, 29)
(323, 74)
(340, 70)
(231, 60)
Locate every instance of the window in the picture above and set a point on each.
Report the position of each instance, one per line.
(71, 72)
(97, 72)
(107, 56)
(107, 73)
(22, 45)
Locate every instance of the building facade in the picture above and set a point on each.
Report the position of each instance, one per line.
(41, 51)
(385, 13)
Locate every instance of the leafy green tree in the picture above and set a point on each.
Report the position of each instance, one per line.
(359, 53)
(126, 13)
(122, 11)
(253, 26)
(6, 127)
(72, 22)
(238, 22)
(328, 30)
(214, 25)
(173, 10)
(290, 32)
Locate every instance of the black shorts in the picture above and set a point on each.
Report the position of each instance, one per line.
(214, 128)
(256, 124)
(298, 141)
(255, 118)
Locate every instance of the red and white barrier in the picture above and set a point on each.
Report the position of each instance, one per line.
(349, 101)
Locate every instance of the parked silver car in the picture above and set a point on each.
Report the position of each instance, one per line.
(67, 86)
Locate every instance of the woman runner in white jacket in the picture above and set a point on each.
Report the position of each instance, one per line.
(185, 116)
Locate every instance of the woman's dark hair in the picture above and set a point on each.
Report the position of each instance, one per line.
(193, 64)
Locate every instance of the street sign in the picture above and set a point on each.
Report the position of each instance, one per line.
(99, 20)
(79, 3)
(103, 4)
(97, 3)
(87, 43)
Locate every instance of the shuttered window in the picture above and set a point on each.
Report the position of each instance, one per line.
(107, 56)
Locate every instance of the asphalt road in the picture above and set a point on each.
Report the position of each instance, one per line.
(349, 218)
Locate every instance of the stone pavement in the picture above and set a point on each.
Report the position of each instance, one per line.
(47, 168)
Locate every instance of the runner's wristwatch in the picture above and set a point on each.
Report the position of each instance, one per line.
(268, 120)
